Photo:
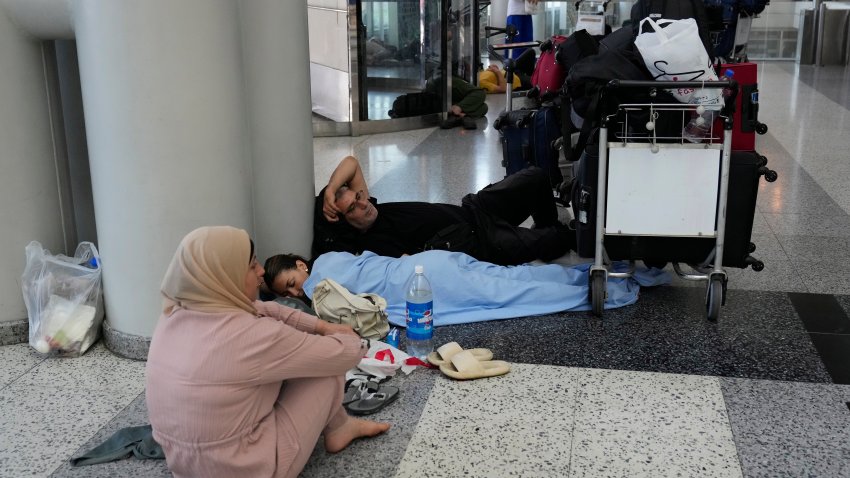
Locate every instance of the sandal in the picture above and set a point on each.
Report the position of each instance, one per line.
(445, 353)
(372, 401)
(464, 366)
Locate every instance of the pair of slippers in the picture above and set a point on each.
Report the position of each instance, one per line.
(365, 395)
(461, 364)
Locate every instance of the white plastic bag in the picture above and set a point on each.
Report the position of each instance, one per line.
(63, 299)
(382, 360)
(673, 51)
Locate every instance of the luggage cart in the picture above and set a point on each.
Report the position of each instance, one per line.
(649, 185)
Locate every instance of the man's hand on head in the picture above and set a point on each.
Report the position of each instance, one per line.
(329, 209)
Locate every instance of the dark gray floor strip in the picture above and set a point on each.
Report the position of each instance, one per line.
(820, 313)
(829, 329)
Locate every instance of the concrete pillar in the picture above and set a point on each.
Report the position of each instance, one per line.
(197, 112)
(276, 62)
(29, 200)
(167, 137)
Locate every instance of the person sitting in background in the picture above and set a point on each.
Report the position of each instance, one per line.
(238, 387)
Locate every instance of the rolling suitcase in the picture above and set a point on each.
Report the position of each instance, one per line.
(746, 106)
(528, 138)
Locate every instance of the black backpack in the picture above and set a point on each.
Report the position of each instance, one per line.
(416, 104)
(674, 10)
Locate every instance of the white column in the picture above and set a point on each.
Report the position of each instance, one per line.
(277, 88)
(165, 119)
(29, 199)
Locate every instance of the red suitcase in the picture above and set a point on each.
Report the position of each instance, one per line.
(746, 106)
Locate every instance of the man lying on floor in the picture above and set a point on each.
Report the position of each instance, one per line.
(485, 226)
(465, 289)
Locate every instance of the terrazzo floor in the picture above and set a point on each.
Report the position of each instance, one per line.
(652, 389)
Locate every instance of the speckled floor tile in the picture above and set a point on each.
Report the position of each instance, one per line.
(758, 336)
(16, 361)
(515, 425)
(97, 369)
(379, 456)
(134, 414)
(824, 277)
(809, 224)
(648, 424)
(41, 427)
(816, 248)
(790, 429)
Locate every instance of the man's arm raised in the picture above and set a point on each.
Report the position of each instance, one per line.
(347, 173)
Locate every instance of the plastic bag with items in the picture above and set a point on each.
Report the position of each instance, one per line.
(63, 299)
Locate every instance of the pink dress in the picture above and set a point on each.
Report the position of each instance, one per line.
(230, 394)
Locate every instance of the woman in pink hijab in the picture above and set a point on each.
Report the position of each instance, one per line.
(238, 387)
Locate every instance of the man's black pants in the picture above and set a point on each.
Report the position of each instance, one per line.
(500, 208)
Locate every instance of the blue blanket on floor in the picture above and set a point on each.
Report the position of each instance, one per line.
(468, 290)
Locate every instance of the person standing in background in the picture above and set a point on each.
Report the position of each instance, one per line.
(519, 17)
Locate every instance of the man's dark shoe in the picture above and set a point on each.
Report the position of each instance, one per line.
(451, 121)
(468, 123)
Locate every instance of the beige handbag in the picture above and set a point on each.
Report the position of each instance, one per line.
(363, 312)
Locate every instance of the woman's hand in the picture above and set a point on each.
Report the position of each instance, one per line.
(327, 328)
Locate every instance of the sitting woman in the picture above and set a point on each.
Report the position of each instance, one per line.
(237, 387)
(465, 289)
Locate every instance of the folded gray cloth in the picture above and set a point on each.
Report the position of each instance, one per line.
(137, 441)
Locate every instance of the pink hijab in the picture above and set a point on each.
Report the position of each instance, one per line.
(207, 273)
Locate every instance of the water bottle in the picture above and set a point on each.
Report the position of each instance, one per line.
(392, 337)
(419, 311)
(700, 124)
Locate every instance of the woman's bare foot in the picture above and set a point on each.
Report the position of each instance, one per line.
(354, 428)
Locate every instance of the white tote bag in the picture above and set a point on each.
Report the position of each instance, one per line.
(673, 51)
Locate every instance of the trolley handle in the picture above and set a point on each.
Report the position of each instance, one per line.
(615, 84)
(730, 85)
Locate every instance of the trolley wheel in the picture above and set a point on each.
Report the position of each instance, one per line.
(713, 299)
(751, 247)
(770, 176)
(598, 289)
(758, 266)
(761, 128)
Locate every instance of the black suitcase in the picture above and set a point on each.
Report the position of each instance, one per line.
(746, 169)
(528, 138)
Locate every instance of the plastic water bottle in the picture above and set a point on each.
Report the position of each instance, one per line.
(392, 337)
(700, 124)
(420, 318)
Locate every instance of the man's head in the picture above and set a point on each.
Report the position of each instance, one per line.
(356, 208)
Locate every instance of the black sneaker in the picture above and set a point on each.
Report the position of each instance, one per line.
(451, 122)
(469, 123)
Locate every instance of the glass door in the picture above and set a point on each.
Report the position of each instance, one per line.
(399, 51)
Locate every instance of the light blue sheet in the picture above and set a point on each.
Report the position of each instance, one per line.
(468, 290)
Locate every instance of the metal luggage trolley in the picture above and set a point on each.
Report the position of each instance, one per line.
(662, 186)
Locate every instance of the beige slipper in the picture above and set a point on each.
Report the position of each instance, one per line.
(464, 366)
(445, 353)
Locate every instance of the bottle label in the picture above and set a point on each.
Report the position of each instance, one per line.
(419, 320)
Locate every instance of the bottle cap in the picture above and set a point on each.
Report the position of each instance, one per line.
(729, 74)
(419, 269)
